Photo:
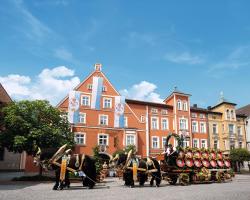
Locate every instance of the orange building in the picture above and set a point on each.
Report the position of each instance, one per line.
(146, 124)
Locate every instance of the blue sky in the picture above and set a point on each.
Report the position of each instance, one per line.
(203, 47)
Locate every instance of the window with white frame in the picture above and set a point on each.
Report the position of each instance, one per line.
(164, 112)
(130, 139)
(90, 86)
(227, 114)
(155, 142)
(104, 88)
(202, 116)
(80, 138)
(232, 144)
(154, 123)
(82, 118)
(195, 143)
(185, 143)
(103, 139)
(239, 131)
(193, 115)
(179, 105)
(154, 110)
(164, 141)
(125, 121)
(183, 124)
(185, 106)
(107, 102)
(231, 129)
(143, 119)
(215, 129)
(203, 143)
(203, 127)
(85, 100)
(232, 114)
(164, 124)
(103, 119)
(194, 126)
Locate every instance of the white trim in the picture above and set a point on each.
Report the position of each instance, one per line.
(132, 112)
(85, 117)
(84, 138)
(181, 107)
(205, 143)
(125, 121)
(164, 118)
(81, 97)
(147, 132)
(158, 142)
(100, 134)
(197, 140)
(130, 134)
(111, 103)
(110, 83)
(99, 122)
(205, 128)
(157, 123)
(197, 127)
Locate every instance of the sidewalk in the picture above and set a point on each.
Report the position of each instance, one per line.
(8, 176)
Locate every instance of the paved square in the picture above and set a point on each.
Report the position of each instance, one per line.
(113, 189)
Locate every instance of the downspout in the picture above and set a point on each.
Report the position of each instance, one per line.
(147, 132)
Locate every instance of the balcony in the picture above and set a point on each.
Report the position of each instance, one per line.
(232, 135)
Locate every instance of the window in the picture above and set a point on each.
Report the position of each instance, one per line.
(179, 105)
(193, 115)
(164, 112)
(104, 88)
(80, 138)
(239, 130)
(154, 110)
(90, 86)
(232, 144)
(194, 127)
(240, 144)
(125, 121)
(154, 123)
(1, 153)
(155, 142)
(143, 118)
(215, 130)
(231, 129)
(130, 139)
(185, 106)
(103, 139)
(215, 144)
(185, 143)
(164, 123)
(183, 124)
(203, 127)
(203, 143)
(82, 118)
(103, 119)
(164, 141)
(202, 116)
(232, 114)
(85, 100)
(107, 103)
(228, 115)
(195, 143)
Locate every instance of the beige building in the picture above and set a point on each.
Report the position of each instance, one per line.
(226, 128)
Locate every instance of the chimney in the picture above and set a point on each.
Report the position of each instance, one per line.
(98, 67)
(195, 105)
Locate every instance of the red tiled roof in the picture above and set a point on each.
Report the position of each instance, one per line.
(244, 110)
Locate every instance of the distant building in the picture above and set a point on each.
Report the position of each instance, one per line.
(246, 111)
(8, 160)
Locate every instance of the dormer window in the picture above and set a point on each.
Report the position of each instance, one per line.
(179, 105)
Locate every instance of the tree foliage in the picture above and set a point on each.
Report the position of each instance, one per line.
(31, 124)
(239, 155)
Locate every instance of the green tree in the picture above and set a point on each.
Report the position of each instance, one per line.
(238, 156)
(31, 124)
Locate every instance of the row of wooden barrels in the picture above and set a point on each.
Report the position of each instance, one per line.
(202, 159)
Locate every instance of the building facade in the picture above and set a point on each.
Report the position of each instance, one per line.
(147, 124)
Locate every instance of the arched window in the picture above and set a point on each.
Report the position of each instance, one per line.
(232, 114)
(228, 114)
(179, 105)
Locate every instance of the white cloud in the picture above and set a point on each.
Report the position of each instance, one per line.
(184, 58)
(143, 91)
(50, 84)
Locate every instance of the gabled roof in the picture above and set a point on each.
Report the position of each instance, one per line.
(223, 102)
(4, 96)
(132, 101)
(176, 91)
(245, 110)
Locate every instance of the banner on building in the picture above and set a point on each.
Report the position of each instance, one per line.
(96, 93)
(119, 111)
(73, 109)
